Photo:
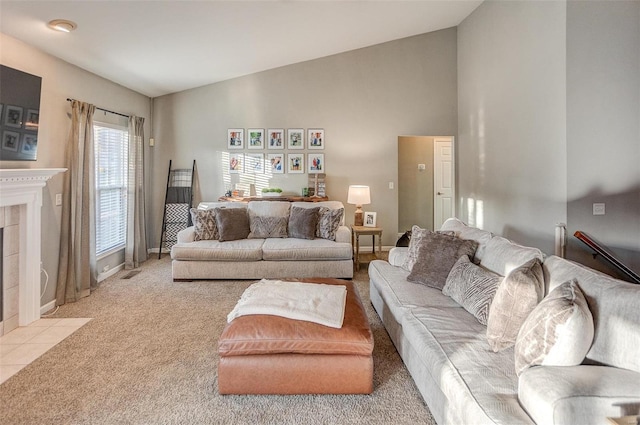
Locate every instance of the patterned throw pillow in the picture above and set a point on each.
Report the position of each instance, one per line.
(204, 224)
(472, 287)
(263, 227)
(516, 297)
(233, 223)
(329, 222)
(558, 332)
(437, 254)
(303, 222)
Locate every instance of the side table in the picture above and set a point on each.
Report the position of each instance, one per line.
(356, 232)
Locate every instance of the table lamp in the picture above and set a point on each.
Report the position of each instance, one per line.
(358, 195)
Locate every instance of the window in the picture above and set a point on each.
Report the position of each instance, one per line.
(111, 147)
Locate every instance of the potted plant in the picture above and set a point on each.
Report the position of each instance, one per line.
(271, 191)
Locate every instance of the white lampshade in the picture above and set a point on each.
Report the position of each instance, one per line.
(359, 195)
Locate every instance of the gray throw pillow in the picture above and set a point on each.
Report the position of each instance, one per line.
(204, 224)
(473, 287)
(558, 332)
(436, 256)
(233, 223)
(516, 297)
(328, 222)
(417, 236)
(303, 222)
(263, 227)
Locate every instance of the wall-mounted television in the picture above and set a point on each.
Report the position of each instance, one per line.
(19, 114)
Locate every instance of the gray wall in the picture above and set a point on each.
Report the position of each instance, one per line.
(603, 127)
(364, 99)
(512, 120)
(61, 80)
(549, 123)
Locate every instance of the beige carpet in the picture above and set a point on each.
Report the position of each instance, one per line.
(149, 357)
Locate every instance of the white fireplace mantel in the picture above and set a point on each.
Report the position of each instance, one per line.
(24, 187)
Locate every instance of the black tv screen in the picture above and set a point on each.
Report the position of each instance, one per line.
(19, 114)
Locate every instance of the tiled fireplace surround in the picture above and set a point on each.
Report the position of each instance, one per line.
(20, 215)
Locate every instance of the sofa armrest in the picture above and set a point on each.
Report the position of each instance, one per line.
(343, 234)
(397, 255)
(187, 235)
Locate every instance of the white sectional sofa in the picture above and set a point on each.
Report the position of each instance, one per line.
(263, 258)
(464, 382)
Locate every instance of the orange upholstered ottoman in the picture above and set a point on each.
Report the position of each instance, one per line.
(263, 354)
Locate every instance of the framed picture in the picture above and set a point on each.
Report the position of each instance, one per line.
(235, 138)
(315, 138)
(10, 140)
(276, 162)
(316, 163)
(33, 119)
(13, 116)
(369, 219)
(295, 138)
(255, 138)
(235, 163)
(29, 144)
(295, 163)
(254, 163)
(275, 138)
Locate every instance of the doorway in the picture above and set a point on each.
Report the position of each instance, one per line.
(417, 195)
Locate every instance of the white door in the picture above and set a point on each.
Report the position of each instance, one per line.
(443, 181)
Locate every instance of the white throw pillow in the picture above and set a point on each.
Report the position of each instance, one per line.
(558, 332)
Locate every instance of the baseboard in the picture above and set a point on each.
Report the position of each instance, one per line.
(111, 272)
(47, 307)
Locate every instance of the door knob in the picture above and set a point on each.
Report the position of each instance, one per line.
(440, 193)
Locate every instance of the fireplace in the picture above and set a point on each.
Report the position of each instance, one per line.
(21, 201)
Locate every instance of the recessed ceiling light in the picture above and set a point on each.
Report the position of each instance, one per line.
(62, 25)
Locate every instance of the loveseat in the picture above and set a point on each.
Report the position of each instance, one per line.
(463, 381)
(269, 248)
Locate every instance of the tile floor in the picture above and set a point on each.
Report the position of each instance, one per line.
(23, 345)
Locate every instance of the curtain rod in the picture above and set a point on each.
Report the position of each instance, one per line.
(105, 110)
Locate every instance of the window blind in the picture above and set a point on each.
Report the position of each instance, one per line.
(111, 147)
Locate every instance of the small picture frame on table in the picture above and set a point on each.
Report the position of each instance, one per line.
(315, 138)
(235, 138)
(255, 137)
(370, 219)
(295, 138)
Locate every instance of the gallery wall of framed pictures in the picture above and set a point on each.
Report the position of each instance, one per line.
(283, 151)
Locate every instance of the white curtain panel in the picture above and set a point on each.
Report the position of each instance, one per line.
(76, 267)
(136, 245)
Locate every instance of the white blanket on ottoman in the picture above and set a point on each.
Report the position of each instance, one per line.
(312, 302)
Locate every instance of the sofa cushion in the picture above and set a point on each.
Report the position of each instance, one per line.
(328, 223)
(578, 394)
(303, 222)
(614, 306)
(450, 345)
(436, 256)
(502, 255)
(233, 223)
(204, 224)
(239, 250)
(472, 287)
(269, 208)
(267, 226)
(463, 231)
(558, 332)
(516, 297)
(294, 249)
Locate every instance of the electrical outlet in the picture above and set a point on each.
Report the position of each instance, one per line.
(422, 167)
(391, 185)
(598, 209)
(58, 199)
